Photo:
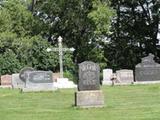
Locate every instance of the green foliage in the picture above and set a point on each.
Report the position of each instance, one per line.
(71, 76)
(18, 19)
(9, 63)
(97, 55)
(78, 22)
(101, 14)
(134, 33)
(5, 20)
(38, 57)
(20, 44)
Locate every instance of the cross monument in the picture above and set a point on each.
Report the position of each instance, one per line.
(60, 49)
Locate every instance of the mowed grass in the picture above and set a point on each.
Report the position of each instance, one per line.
(139, 102)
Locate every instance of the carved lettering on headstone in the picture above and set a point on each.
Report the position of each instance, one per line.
(125, 76)
(39, 81)
(40, 77)
(88, 76)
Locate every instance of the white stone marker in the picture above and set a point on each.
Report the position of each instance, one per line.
(125, 76)
(107, 74)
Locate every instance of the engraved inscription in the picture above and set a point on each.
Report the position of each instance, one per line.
(151, 72)
(88, 76)
(125, 76)
(88, 67)
(40, 77)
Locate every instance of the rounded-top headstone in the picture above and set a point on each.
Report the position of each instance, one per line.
(23, 73)
(88, 76)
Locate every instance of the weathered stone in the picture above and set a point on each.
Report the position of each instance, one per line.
(89, 94)
(39, 81)
(147, 70)
(88, 76)
(89, 98)
(23, 73)
(107, 74)
(6, 80)
(124, 76)
(17, 82)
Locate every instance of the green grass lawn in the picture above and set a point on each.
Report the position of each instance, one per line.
(139, 102)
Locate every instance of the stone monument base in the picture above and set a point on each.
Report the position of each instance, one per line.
(64, 83)
(39, 87)
(86, 99)
(37, 90)
(5, 86)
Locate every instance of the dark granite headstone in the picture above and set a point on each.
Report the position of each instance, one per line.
(23, 73)
(39, 81)
(17, 82)
(40, 77)
(147, 70)
(88, 76)
(89, 93)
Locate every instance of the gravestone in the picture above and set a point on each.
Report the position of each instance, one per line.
(17, 82)
(147, 70)
(6, 80)
(89, 93)
(107, 75)
(23, 73)
(38, 81)
(124, 76)
(88, 76)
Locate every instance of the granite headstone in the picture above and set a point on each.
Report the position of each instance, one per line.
(17, 82)
(89, 93)
(23, 73)
(147, 70)
(125, 76)
(88, 76)
(6, 80)
(39, 81)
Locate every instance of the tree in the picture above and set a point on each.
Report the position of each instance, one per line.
(21, 43)
(134, 32)
(81, 23)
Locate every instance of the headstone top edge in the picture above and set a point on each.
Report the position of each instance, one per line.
(123, 70)
(85, 62)
(148, 61)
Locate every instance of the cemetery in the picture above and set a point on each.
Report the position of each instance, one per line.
(79, 60)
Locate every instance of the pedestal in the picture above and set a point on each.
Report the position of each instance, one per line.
(87, 99)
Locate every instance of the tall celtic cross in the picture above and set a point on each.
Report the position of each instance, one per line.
(60, 49)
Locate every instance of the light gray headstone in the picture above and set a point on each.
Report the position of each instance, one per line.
(17, 82)
(39, 81)
(125, 76)
(107, 74)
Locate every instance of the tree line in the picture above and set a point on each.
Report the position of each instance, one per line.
(113, 33)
